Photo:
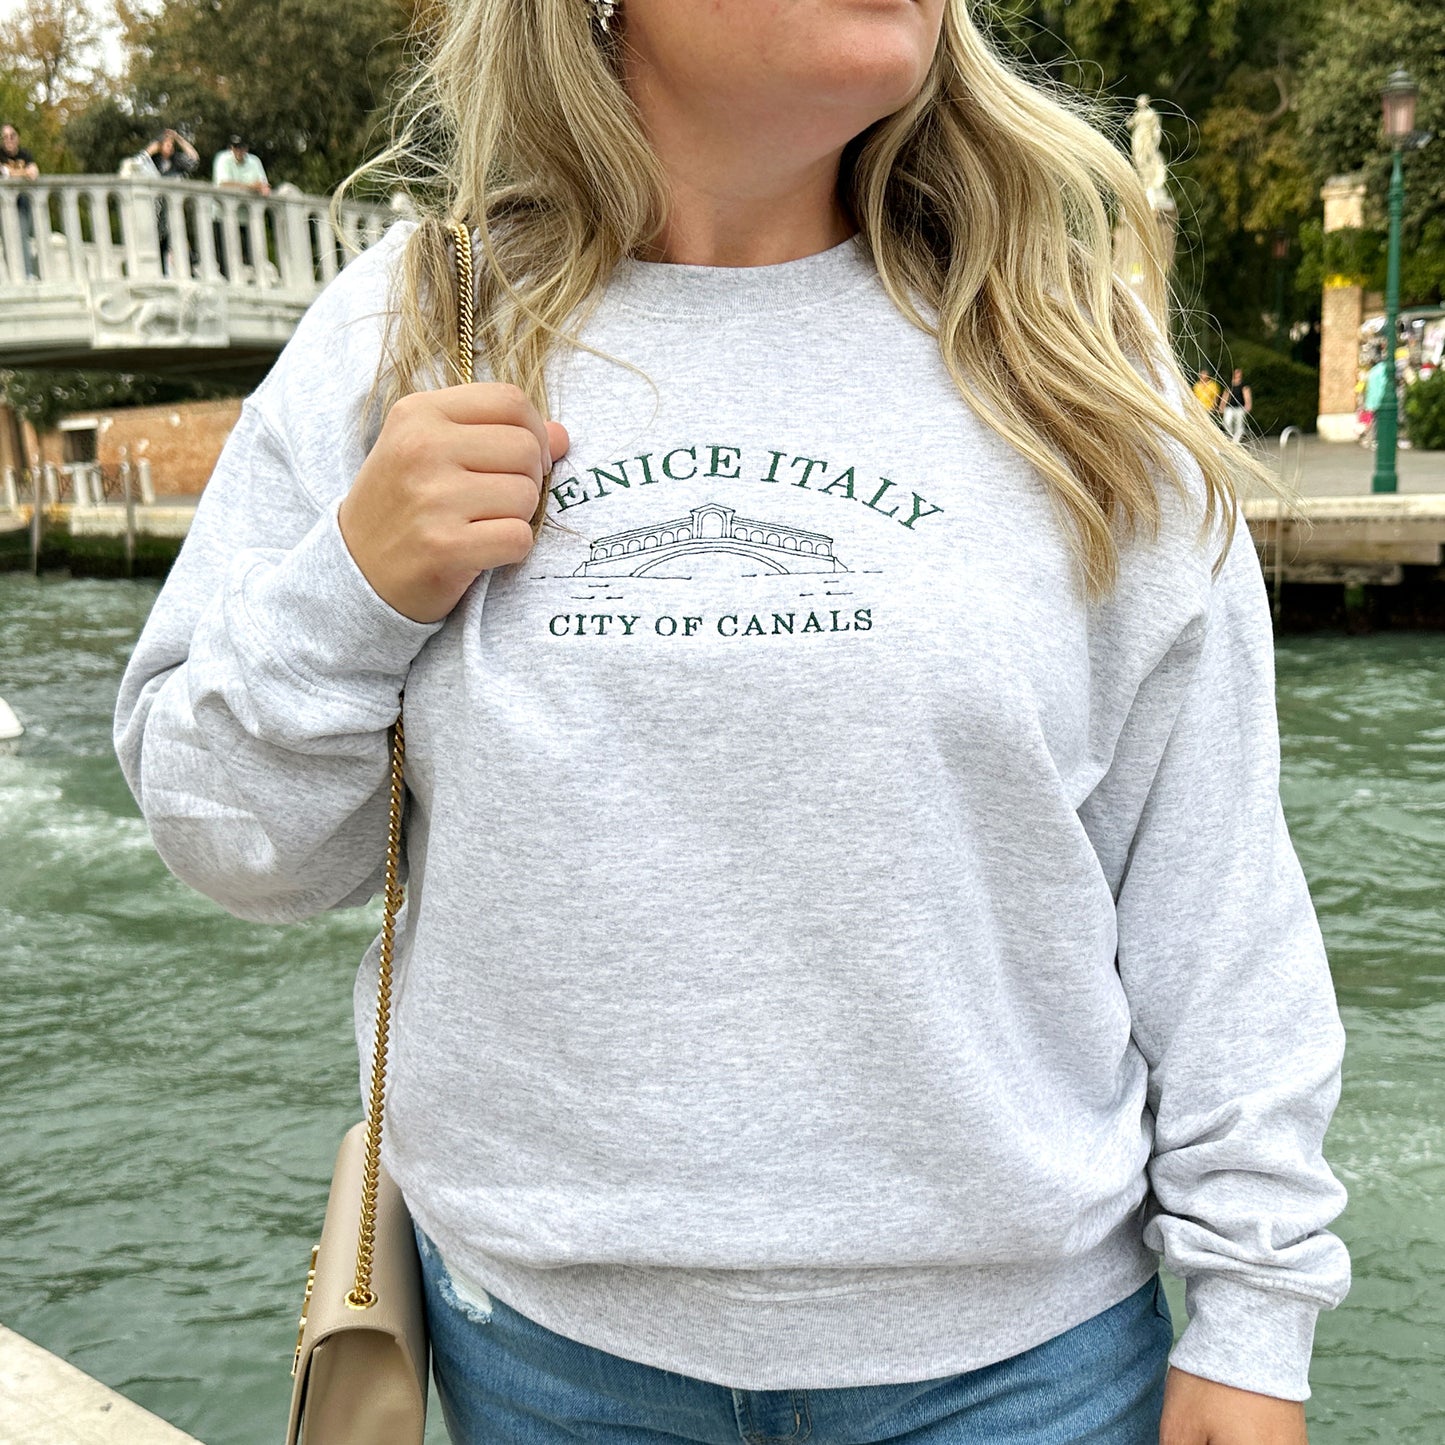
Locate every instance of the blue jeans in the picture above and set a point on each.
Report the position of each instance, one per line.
(505, 1380)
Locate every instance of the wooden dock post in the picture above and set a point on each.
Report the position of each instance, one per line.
(128, 493)
(37, 519)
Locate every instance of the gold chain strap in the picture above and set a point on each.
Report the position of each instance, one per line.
(466, 295)
(362, 1296)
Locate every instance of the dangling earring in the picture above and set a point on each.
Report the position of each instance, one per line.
(603, 11)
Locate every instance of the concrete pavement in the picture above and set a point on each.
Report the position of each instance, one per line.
(1342, 469)
(46, 1401)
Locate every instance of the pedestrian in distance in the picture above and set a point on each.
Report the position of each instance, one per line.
(852, 936)
(172, 155)
(1377, 384)
(237, 169)
(1206, 390)
(1236, 401)
(17, 164)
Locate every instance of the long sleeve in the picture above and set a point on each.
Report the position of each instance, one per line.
(252, 721)
(1231, 1001)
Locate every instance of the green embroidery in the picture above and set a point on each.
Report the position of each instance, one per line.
(726, 462)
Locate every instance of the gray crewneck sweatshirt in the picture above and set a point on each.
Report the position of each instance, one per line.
(837, 953)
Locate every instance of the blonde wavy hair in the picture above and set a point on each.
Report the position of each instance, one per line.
(988, 204)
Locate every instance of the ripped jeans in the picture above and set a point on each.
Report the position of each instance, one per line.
(505, 1380)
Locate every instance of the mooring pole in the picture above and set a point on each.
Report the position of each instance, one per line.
(17, 446)
(37, 518)
(1291, 477)
(128, 492)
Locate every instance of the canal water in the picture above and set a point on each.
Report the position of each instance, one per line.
(175, 1081)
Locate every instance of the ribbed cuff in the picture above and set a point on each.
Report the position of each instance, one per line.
(1253, 1339)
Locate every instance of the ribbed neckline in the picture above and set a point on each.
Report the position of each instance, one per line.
(668, 291)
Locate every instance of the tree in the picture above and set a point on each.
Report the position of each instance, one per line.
(15, 105)
(39, 128)
(49, 46)
(43, 397)
(304, 81)
(1223, 76)
(106, 131)
(1361, 42)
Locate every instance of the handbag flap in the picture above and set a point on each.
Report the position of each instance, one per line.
(386, 1344)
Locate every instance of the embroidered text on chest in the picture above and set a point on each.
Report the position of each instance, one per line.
(726, 463)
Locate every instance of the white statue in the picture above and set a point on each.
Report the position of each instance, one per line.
(1146, 148)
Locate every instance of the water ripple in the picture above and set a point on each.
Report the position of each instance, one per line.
(176, 1081)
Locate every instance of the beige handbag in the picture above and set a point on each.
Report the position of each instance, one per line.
(360, 1368)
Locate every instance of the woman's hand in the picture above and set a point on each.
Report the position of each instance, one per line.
(447, 492)
(1203, 1412)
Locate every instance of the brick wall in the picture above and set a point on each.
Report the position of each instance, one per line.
(8, 454)
(181, 440)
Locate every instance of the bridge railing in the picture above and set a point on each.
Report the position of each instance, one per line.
(71, 229)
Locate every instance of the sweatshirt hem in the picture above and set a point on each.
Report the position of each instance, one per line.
(914, 1324)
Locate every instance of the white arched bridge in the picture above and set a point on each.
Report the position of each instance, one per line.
(168, 276)
(715, 537)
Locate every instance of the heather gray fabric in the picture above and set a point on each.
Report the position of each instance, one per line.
(836, 953)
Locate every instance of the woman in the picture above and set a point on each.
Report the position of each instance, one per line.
(17, 164)
(172, 155)
(852, 930)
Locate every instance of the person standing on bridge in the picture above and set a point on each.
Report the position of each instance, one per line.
(236, 169)
(172, 155)
(17, 164)
(852, 929)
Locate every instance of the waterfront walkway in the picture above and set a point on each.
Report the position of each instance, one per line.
(1343, 534)
(1340, 469)
(45, 1401)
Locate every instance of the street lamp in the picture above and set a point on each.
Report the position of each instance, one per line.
(1398, 103)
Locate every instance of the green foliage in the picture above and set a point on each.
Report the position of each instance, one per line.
(15, 108)
(1360, 255)
(104, 133)
(1222, 75)
(39, 128)
(1354, 253)
(302, 80)
(1359, 43)
(43, 397)
(1422, 261)
(1260, 105)
(1181, 50)
(1425, 412)
(49, 46)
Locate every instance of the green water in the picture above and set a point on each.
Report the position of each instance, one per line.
(175, 1081)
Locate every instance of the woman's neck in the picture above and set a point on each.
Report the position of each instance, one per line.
(717, 225)
(760, 191)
